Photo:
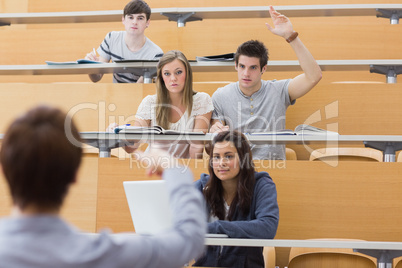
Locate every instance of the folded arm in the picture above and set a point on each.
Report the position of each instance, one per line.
(266, 220)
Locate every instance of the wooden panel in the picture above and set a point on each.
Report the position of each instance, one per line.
(317, 200)
(331, 38)
(207, 87)
(365, 109)
(80, 205)
(76, 5)
(343, 202)
(93, 106)
(330, 106)
(358, 200)
(13, 6)
(112, 210)
(331, 260)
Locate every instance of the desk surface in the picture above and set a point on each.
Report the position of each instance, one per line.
(388, 144)
(305, 243)
(94, 136)
(380, 245)
(200, 12)
(252, 138)
(326, 65)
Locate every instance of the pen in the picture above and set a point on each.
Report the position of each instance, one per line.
(220, 121)
(121, 127)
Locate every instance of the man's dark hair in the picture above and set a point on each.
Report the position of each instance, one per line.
(38, 160)
(137, 7)
(253, 48)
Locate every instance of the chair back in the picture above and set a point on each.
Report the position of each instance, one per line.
(329, 257)
(269, 257)
(399, 157)
(346, 154)
(397, 262)
(290, 154)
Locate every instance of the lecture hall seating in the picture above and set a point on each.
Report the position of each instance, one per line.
(358, 102)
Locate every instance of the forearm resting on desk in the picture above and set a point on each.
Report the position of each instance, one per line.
(131, 148)
(95, 77)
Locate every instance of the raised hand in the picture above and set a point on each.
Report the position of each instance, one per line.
(282, 25)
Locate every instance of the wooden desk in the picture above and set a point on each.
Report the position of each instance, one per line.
(92, 106)
(357, 200)
(385, 252)
(200, 13)
(391, 68)
(389, 144)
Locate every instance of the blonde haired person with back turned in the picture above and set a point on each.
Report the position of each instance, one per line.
(131, 44)
(175, 106)
(255, 105)
(40, 157)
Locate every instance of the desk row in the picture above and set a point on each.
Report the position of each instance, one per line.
(105, 141)
(390, 68)
(182, 15)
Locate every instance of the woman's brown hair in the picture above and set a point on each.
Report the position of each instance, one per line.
(213, 190)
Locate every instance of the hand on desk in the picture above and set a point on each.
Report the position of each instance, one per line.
(111, 127)
(218, 127)
(92, 56)
(128, 148)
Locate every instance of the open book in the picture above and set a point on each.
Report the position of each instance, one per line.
(80, 61)
(152, 130)
(302, 129)
(222, 57)
(123, 61)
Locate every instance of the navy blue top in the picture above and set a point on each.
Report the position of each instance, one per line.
(260, 223)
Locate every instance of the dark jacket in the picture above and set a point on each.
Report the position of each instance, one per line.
(260, 223)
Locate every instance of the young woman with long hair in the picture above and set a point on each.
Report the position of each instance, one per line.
(241, 202)
(175, 106)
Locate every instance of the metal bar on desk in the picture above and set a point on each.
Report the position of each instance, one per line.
(289, 11)
(105, 141)
(201, 12)
(89, 137)
(216, 66)
(385, 252)
(380, 245)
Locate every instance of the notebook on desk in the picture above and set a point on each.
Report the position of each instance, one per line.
(149, 206)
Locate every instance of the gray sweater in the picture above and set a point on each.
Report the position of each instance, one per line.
(48, 241)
